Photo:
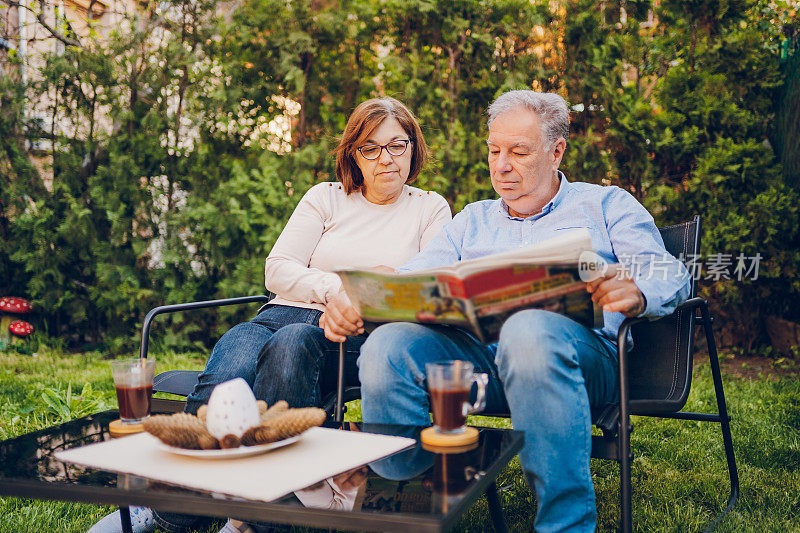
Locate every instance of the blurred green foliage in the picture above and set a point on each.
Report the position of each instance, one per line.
(63, 405)
(180, 150)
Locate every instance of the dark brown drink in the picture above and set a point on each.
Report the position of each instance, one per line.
(453, 472)
(448, 407)
(134, 402)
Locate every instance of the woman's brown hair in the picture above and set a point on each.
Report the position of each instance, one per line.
(364, 120)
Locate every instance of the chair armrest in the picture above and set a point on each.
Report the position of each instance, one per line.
(691, 303)
(622, 349)
(189, 306)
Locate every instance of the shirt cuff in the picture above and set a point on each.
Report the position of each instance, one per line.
(333, 287)
(652, 305)
(657, 303)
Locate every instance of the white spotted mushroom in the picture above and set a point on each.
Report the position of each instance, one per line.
(20, 328)
(11, 309)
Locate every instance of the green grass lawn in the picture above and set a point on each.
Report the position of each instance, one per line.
(679, 475)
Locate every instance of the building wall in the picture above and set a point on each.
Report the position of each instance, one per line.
(24, 37)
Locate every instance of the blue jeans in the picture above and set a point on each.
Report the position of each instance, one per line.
(299, 365)
(283, 355)
(549, 371)
(294, 361)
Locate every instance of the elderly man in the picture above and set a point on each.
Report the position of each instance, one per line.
(552, 373)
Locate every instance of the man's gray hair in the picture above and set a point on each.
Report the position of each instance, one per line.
(551, 109)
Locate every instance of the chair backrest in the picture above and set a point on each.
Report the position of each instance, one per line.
(660, 366)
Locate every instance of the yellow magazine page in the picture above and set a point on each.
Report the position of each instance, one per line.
(402, 298)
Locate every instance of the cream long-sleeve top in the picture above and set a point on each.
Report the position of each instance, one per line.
(330, 229)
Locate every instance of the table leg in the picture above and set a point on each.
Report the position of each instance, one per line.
(495, 510)
(125, 517)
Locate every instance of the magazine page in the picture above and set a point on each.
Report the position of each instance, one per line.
(480, 294)
(557, 289)
(564, 249)
(382, 297)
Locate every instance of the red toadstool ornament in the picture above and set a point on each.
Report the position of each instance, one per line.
(10, 306)
(20, 328)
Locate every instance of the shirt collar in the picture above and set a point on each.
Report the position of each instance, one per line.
(563, 190)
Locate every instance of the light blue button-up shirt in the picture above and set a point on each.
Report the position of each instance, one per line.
(622, 231)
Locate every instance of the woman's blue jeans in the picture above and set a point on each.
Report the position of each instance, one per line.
(282, 354)
(549, 371)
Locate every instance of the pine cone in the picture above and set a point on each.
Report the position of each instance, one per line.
(262, 406)
(276, 409)
(202, 411)
(229, 441)
(182, 430)
(278, 422)
(295, 421)
(259, 435)
(159, 424)
(181, 438)
(208, 441)
(154, 424)
(187, 420)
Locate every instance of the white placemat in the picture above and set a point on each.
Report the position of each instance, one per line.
(319, 454)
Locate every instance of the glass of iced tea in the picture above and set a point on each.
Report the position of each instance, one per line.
(449, 384)
(133, 379)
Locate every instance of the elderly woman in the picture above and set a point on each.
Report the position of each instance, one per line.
(372, 217)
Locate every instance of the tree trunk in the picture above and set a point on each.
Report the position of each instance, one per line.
(305, 65)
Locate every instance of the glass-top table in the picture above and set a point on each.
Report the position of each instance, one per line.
(415, 489)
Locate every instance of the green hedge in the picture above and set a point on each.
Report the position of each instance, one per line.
(169, 187)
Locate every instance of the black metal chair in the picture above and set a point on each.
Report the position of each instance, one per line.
(182, 382)
(656, 377)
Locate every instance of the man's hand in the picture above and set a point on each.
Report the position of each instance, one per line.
(340, 319)
(615, 291)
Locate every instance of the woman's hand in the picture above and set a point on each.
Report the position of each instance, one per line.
(340, 319)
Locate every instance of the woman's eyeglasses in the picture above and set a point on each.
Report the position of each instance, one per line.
(395, 148)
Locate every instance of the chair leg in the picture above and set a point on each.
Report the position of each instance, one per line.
(722, 409)
(626, 511)
(495, 509)
(623, 435)
(125, 518)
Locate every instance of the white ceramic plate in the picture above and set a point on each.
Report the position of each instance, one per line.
(228, 453)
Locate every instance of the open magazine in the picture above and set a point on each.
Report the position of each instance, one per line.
(480, 294)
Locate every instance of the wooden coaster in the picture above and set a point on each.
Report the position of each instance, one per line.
(449, 449)
(118, 429)
(431, 437)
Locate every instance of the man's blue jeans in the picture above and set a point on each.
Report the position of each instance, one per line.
(549, 371)
(286, 348)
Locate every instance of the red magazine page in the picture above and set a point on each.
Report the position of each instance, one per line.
(502, 277)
